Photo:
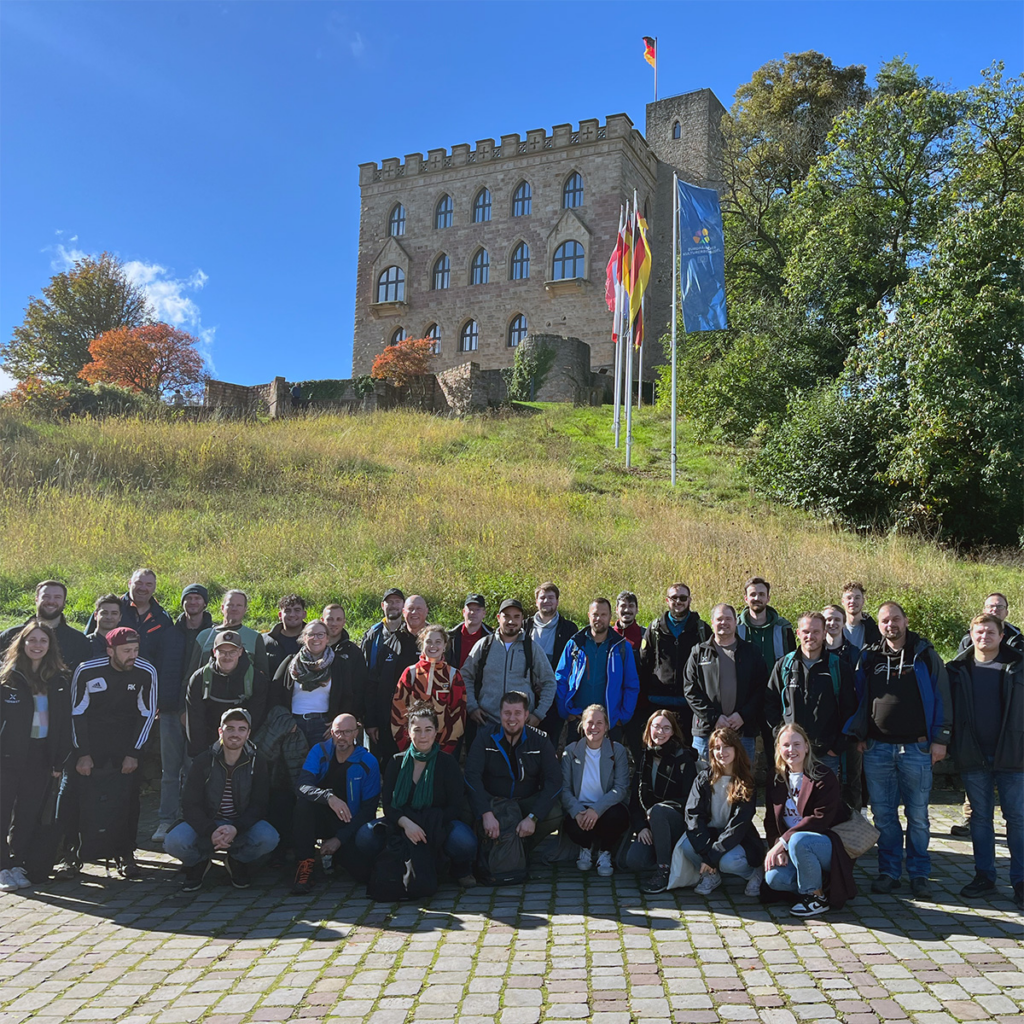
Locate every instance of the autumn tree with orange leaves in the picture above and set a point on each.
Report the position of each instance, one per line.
(153, 358)
(401, 362)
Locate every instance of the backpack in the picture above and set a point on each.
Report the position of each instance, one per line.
(105, 794)
(402, 871)
(833, 671)
(502, 861)
(488, 641)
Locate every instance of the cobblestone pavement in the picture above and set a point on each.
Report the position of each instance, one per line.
(564, 947)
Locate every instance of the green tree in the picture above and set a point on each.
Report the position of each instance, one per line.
(52, 342)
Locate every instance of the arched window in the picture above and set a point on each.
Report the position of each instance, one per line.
(442, 273)
(391, 285)
(482, 207)
(522, 200)
(434, 333)
(516, 330)
(399, 335)
(396, 222)
(677, 132)
(469, 339)
(572, 192)
(568, 261)
(443, 212)
(481, 270)
(519, 270)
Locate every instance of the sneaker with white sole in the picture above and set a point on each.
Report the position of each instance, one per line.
(753, 886)
(708, 883)
(585, 861)
(7, 882)
(810, 906)
(605, 868)
(20, 875)
(161, 832)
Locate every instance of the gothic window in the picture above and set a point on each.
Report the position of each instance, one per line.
(396, 222)
(520, 267)
(517, 330)
(676, 131)
(572, 192)
(398, 336)
(443, 212)
(482, 207)
(522, 200)
(568, 261)
(434, 333)
(469, 339)
(442, 273)
(391, 285)
(481, 270)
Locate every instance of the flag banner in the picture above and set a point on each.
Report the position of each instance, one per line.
(650, 51)
(702, 259)
(641, 269)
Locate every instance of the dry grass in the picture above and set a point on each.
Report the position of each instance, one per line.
(344, 507)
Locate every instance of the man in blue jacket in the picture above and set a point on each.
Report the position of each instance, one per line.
(902, 724)
(338, 790)
(598, 667)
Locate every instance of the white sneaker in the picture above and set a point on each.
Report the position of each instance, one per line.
(585, 860)
(753, 886)
(605, 868)
(7, 882)
(161, 832)
(708, 883)
(20, 877)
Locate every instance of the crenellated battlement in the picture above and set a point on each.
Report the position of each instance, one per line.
(537, 140)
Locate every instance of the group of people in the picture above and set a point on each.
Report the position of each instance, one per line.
(636, 745)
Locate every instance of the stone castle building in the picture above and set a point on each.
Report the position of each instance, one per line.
(479, 247)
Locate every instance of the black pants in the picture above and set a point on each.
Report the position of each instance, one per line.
(667, 828)
(24, 789)
(69, 805)
(607, 832)
(314, 821)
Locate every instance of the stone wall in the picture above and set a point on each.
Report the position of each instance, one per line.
(468, 388)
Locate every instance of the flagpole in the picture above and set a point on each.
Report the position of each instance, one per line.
(656, 55)
(629, 399)
(675, 272)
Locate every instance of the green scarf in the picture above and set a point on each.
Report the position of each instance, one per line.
(424, 795)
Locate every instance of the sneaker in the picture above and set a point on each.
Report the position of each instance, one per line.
(467, 881)
(7, 882)
(194, 876)
(920, 888)
(753, 886)
(708, 883)
(980, 885)
(238, 872)
(304, 881)
(605, 868)
(656, 880)
(161, 832)
(20, 876)
(810, 906)
(1018, 895)
(585, 861)
(961, 830)
(127, 868)
(885, 884)
(67, 870)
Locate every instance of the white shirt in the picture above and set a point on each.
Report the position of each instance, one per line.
(591, 789)
(790, 815)
(310, 702)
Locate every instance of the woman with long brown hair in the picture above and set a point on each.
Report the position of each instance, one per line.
(35, 740)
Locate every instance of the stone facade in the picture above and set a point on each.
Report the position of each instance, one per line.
(612, 159)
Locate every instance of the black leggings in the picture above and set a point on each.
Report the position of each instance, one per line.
(607, 832)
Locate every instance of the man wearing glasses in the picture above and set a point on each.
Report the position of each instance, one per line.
(338, 790)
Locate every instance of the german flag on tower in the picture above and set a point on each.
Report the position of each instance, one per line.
(651, 51)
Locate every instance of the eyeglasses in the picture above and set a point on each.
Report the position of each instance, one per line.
(679, 597)
(344, 732)
(316, 636)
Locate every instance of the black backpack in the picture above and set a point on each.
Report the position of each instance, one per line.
(488, 641)
(402, 871)
(502, 861)
(105, 794)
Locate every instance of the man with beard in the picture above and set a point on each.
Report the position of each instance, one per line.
(228, 680)
(114, 706)
(626, 606)
(194, 617)
(51, 596)
(349, 669)
(233, 608)
(283, 639)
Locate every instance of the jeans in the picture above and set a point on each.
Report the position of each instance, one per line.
(459, 844)
(313, 728)
(833, 761)
(810, 854)
(700, 744)
(734, 862)
(174, 765)
(981, 787)
(185, 844)
(900, 772)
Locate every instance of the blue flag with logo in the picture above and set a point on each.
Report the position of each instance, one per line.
(702, 259)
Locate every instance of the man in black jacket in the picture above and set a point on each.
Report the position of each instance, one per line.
(348, 672)
(987, 686)
(664, 652)
(515, 762)
(225, 804)
(51, 596)
(472, 628)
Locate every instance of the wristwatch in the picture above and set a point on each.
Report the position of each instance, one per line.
(532, 817)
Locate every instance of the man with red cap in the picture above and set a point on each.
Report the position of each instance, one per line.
(114, 702)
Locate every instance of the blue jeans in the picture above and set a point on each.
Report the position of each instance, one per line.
(900, 773)
(459, 844)
(835, 762)
(185, 844)
(810, 854)
(313, 728)
(700, 744)
(981, 791)
(174, 765)
(732, 863)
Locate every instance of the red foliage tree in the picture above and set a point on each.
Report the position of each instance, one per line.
(401, 362)
(153, 358)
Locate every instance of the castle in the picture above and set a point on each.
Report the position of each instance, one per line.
(477, 248)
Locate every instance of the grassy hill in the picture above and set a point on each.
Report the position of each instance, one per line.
(340, 508)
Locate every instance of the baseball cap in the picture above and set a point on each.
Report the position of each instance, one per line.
(393, 592)
(476, 599)
(122, 635)
(229, 638)
(510, 602)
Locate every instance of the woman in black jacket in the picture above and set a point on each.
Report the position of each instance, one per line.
(661, 786)
(35, 740)
(721, 838)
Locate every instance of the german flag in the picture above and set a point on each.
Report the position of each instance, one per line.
(650, 51)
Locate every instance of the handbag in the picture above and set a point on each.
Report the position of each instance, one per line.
(857, 834)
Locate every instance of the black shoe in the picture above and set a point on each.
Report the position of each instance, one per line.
(981, 885)
(920, 888)
(67, 870)
(304, 880)
(810, 906)
(127, 868)
(656, 881)
(239, 873)
(194, 876)
(1018, 895)
(961, 831)
(885, 884)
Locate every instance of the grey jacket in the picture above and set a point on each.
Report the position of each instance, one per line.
(491, 671)
(614, 776)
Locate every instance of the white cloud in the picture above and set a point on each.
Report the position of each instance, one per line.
(7, 382)
(63, 257)
(357, 46)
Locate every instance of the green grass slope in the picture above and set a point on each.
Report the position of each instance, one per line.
(339, 508)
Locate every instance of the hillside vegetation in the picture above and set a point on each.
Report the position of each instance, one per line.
(339, 508)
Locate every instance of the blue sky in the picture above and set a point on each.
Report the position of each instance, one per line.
(214, 146)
